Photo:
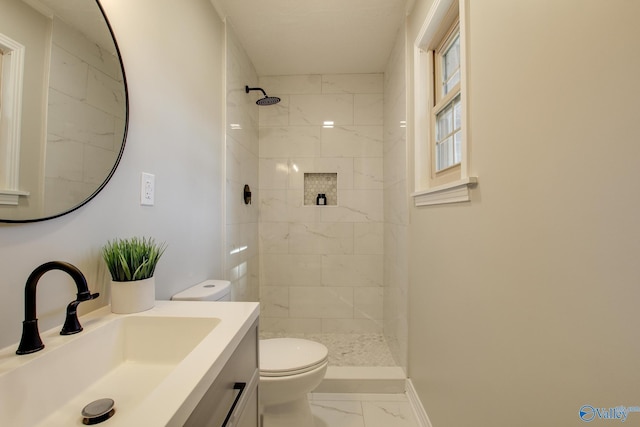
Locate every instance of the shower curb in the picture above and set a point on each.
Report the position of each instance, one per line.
(356, 379)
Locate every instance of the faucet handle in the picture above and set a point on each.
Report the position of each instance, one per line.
(71, 323)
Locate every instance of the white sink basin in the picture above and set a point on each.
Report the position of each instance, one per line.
(130, 359)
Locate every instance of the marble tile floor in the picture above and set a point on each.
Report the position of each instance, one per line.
(348, 349)
(361, 410)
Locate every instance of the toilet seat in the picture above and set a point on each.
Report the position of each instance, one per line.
(281, 357)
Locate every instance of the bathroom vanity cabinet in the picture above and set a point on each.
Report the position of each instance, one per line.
(232, 399)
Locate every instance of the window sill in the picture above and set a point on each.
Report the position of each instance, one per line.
(10, 197)
(454, 192)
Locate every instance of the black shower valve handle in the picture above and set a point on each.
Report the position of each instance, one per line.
(247, 194)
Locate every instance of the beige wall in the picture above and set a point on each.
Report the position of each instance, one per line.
(172, 53)
(524, 302)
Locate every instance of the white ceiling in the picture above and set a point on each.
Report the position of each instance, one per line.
(315, 36)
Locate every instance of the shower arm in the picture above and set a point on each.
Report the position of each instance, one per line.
(247, 89)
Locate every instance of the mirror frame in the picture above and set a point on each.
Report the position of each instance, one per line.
(124, 138)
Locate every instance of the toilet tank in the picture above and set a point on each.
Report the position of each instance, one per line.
(209, 290)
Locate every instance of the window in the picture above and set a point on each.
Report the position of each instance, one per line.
(440, 107)
(447, 106)
(11, 72)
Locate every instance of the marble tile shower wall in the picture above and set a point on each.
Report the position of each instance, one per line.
(322, 266)
(85, 80)
(241, 248)
(396, 208)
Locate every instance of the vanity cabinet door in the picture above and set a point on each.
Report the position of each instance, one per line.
(249, 416)
(232, 399)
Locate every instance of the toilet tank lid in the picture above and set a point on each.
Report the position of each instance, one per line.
(209, 290)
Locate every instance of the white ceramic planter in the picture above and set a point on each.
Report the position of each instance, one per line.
(133, 297)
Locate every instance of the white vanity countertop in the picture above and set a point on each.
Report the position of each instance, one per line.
(170, 402)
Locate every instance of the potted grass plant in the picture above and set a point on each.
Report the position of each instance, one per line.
(132, 263)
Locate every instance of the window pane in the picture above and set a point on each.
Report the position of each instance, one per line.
(457, 113)
(444, 154)
(451, 65)
(443, 125)
(457, 147)
(449, 134)
(452, 58)
(455, 79)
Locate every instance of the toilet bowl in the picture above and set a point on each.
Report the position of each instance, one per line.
(290, 368)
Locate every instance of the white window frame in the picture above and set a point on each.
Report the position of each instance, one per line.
(10, 119)
(453, 184)
(444, 101)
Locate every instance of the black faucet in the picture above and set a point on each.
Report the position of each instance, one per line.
(31, 342)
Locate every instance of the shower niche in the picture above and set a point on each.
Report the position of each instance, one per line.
(321, 183)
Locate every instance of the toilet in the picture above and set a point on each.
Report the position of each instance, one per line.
(290, 368)
(209, 290)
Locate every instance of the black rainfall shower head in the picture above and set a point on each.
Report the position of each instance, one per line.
(267, 100)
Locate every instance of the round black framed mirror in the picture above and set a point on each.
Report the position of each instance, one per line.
(64, 107)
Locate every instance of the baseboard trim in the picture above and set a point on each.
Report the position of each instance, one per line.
(416, 405)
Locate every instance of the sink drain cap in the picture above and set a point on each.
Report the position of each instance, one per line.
(98, 411)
